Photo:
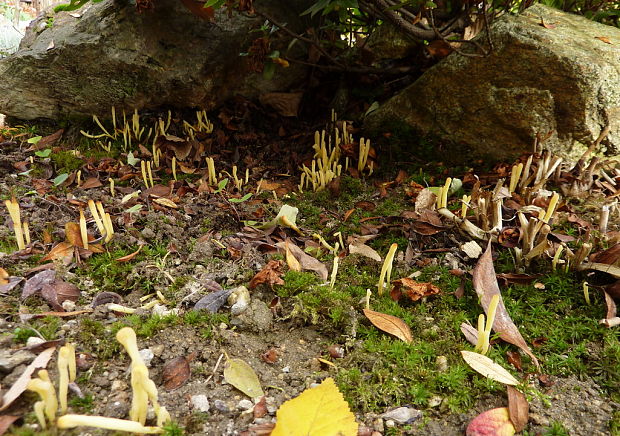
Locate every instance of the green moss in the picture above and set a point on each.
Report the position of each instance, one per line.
(66, 161)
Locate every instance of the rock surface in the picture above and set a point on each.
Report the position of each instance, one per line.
(108, 54)
(557, 78)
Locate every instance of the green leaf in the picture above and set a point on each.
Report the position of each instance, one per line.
(43, 153)
(221, 185)
(134, 208)
(242, 199)
(34, 140)
(131, 160)
(269, 70)
(215, 4)
(60, 179)
(242, 376)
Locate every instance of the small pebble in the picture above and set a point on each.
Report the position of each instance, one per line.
(200, 402)
(34, 340)
(147, 355)
(245, 404)
(441, 363)
(68, 305)
(221, 406)
(389, 423)
(435, 401)
(286, 369)
(403, 415)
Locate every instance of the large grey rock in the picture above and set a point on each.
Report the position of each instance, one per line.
(107, 54)
(537, 80)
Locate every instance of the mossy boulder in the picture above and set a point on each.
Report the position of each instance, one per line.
(109, 54)
(550, 73)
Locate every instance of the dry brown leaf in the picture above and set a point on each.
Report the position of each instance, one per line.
(270, 275)
(611, 256)
(605, 39)
(610, 319)
(73, 235)
(425, 200)
(485, 284)
(518, 408)
(470, 332)
(176, 372)
(60, 251)
(307, 262)
(35, 283)
(412, 289)
(20, 385)
(6, 421)
(46, 141)
(364, 250)
(129, 256)
(284, 103)
(91, 182)
(390, 324)
(291, 261)
(4, 276)
(166, 202)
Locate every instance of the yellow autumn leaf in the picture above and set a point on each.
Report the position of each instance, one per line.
(320, 411)
(291, 260)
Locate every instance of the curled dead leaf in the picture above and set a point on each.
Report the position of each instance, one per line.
(390, 324)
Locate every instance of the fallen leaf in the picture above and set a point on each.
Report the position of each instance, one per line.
(609, 269)
(470, 332)
(307, 262)
(260, 408)
(486, 286)
(516, 278)
(485, 366)
(518, 408)
(270, 275)
(166, 202)
(514, 358)
(270, 356)
(319, 411)
(414, 290)
(176, 372)
(61, 251)
(364, 250)
(73, 234)
(368, 206)
(610, 320)
(91, 182)
(605, 39)
(46, 141)
(291, 261)
(106, 297)
(129, 256)
(284, 103)
(494, 422)
(213, 301)
(545, 25)
(242, 376)
(611, 256)
(20, 384)
(35, 283)
(472, 249)
(4, 276)
(390, 324)
(6, 421)
(425, 200)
